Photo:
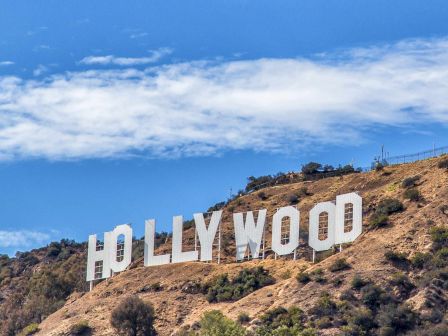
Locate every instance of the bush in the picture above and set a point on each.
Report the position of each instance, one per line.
(403, 282)
(246, 282)
(281, 321)
(339, 265)
(293, 199)
(324, 306)
(378, 220)
(372, 296)
(243, 318)
(396, 258)
(214, 323)
(439, 236)
(262, 195)
(337, 281)
(443, 164)
(303, 277)
(358, 282)
(386, 207)
(389, 206)
(80, 328)
(318, 275)
(394, 320)
(133, 317)
(362, 319)
(30, 330)
(323, 323)
(440, 258)
(412, 195)
(410, 182)
(420, 259)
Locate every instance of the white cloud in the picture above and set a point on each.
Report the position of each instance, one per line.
(203, 108)
(22, 239)
(155, 56)
(40, 70)
(138, 35)
(6, 63)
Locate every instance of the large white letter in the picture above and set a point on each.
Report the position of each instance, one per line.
(313, 239)
(248, 233)
(294, 221)
(346, 218)
(98, 255)
(119, 261)
(207, 236)
(178, 255)
(150, 258)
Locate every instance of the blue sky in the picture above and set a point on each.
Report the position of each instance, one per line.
(120, 111)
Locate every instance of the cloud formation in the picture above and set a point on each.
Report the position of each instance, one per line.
(6, 63)
(204, 108)
(22, 239)
(155, 56)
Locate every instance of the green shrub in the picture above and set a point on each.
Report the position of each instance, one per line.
(378, 220)
(362, 320)
(293, 199)
(410, 182)
(439, 236)
(262, 195)
(80, 328)
(246, 282)
(214, 323)
(402, 281)
(419, 259)
(281, 321)
(303, 277)
(347, 295)
(413, 195)
(396, 258)
(133, 317)
(324, 306)
(389, 206)
(29, 330)
(337, 281)
(323, 323)
(318, 275)
(372, 296)
(437, 330)
(339, 265)
(440, 258)
(243, 318)
(358, 282)
(394, 320)
(386, 207)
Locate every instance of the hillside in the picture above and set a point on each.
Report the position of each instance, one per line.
(385, 257)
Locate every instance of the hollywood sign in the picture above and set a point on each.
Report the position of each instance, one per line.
(340, 222)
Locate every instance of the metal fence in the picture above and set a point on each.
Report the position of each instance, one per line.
(406, 158)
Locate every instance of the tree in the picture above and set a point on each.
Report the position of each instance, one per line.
(311, 168)
(133, 317)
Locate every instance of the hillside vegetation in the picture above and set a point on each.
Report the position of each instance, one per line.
(392, 280)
